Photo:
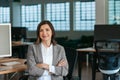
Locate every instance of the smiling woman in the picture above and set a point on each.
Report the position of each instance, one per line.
(46, 59)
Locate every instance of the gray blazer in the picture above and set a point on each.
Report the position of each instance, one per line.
(34, 56)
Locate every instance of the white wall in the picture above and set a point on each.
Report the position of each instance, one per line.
(101, 11)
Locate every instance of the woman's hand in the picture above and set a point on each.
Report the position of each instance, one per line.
(62, 63)
(43, 65)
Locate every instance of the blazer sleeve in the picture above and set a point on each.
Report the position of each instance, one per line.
(61, 70)
(33, 70)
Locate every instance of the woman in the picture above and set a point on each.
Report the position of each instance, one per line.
(46, 59)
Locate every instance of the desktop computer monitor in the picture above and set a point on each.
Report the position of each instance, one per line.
(106, 32)
(18, 33)
(5, 40)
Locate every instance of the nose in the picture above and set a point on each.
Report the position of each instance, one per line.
(44, 31)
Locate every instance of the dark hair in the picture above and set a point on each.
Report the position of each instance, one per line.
(52, 29)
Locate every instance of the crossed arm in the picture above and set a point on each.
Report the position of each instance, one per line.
(46, 66)
(59, 68)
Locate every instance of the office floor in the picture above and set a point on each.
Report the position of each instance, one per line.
(87, 73)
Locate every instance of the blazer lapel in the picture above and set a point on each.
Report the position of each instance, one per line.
(39, 53)
(54, 54)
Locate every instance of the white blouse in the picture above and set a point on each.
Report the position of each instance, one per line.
(47, 54)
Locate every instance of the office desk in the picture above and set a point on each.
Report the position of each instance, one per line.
(89, 49)
(5, 70)
(19, 43)
(80, 52)
(19, 48)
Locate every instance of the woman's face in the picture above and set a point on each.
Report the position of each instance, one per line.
(45, 33)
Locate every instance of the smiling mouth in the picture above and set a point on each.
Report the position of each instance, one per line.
(44, 36)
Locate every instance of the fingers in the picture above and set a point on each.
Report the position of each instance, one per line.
(62, 63)
(39, 65)
(46, 66)
(43, 65)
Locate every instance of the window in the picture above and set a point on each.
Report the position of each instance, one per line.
(58, 14)
(4, 14)
(31, 16)
(114, 11)
(84, 15)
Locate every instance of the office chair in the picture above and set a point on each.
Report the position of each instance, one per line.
(71, 58)
(108, 54)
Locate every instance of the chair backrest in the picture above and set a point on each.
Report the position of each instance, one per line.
(71, 57)
(108, 54)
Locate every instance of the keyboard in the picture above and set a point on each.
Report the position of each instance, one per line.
(10, 63)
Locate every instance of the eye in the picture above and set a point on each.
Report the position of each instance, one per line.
(41, 30)
(47, 30)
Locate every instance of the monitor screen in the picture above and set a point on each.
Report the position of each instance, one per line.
(5, 40)
(106, 32)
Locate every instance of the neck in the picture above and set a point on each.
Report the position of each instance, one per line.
(46, 43)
